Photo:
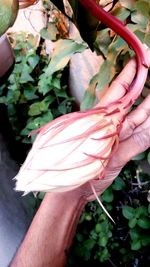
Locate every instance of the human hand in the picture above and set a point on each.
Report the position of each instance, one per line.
(134, 136)
(38, 173)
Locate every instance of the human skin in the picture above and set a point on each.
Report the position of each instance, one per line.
(50, 235)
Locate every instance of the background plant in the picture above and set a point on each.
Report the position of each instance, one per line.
(37, 91)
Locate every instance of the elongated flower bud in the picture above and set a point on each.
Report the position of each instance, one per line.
(69, 151)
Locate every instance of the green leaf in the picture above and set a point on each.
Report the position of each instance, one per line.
(102, 42)
(25, 74)
(26, 131)
(89, 95)
(98, 228)
(104, 256)
(108, 195)
(103, 241)
(50, 32)
(135, 234)
(62, 53)
(147, 37)
(144, 223)
(49, 99)
(118, 184)
(88, 217)
(33, 60)
(56, 82)
(132, 222)
(35, 109)
(140, 156)
(141, 211)
(47, 117)
(105, 75)
(45, 84)
(60, 93)
(40, 121)
(141, 13)
(41, 195)
(3, 100)
(145, 240)
(44, 106)
(13, 96)
(11, 110)
(89, 244)
(140, 35)
(148, 158)
(128, 212)
(121, 13)
(29, 92)
(30, 126)
(136, 245)
(128, 4)
(65, 106)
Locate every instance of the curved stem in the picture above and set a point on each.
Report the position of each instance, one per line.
(117, 26)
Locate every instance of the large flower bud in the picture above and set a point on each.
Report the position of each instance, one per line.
(69, 151)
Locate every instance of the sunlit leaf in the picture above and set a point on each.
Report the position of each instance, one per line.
(121, 13)
(105, 75)
(35, 109)
(50, 32)
(128, 4)
(33, 60)
(63, 51)
(141, 13)
(89, 95)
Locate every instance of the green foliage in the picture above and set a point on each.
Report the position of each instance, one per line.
(36, 91)
(100, 242)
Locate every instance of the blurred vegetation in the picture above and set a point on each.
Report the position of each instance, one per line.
(37, 91)
(99, 242)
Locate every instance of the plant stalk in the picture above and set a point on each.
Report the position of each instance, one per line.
(117, 26)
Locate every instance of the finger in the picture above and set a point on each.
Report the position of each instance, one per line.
(135, 119)
(121, 84)
(132, 146)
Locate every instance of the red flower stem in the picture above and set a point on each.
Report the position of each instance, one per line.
(117, 26)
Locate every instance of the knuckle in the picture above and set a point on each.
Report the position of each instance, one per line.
(131, 123)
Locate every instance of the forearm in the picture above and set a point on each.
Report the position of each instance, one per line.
(51, 232)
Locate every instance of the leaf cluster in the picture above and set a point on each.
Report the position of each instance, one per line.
(99, 242)
(37, 89)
